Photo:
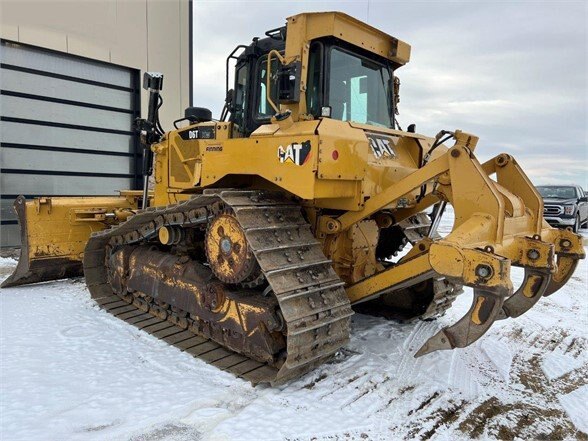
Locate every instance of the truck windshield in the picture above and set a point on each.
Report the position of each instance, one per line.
(358, 89)
(557, 192)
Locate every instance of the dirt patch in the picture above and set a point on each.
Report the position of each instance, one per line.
(424, 403)
(571, 381)
(531, 376)
(576, 346)
(518, 420)
(100, 427)
(443, 417)
(440, 417)
(313, 383)
(355, 378)
(169, 432)
(405, 390)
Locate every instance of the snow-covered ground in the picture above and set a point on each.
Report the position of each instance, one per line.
(70, 371)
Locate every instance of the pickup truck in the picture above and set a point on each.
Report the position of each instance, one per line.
(564, 205)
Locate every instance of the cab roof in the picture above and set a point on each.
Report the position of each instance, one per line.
(311, 25)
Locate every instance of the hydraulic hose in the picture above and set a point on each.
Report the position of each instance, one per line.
(440, 138)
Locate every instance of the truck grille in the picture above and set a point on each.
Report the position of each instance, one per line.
(551, 210)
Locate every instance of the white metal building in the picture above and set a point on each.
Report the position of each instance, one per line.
(70, 89)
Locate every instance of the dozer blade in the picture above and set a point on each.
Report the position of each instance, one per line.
(485, 309)
(54, 232)
(33, 268)
(534, 286)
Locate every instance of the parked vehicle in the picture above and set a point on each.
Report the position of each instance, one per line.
(564, 205)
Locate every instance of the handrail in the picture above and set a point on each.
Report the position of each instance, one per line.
(267, 81)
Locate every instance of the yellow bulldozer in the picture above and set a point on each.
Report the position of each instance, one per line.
(265, 229)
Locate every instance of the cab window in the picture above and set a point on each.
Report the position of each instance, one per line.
(240, 96)
(264, 110)
(314, 85)
(359, 89)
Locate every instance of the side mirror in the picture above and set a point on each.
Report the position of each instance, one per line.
(230, 100)
(584, 199)
(289, 83)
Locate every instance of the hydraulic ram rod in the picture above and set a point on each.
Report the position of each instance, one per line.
(149, 131)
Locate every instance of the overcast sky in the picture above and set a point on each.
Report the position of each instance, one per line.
(514, 74)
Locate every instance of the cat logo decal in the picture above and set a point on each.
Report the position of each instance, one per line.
(296, 153)
(381, 146)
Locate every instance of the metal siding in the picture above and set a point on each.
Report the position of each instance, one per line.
(9, 235)
(12, 158)
(61, 185)
(36, 110)
(64, 89)
(6, 210)
(66, 128)
(64, 64)
(31, 134)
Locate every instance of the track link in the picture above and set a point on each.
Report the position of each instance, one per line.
(310, 295)
(186, 341)
(425, 301)
(445, 292)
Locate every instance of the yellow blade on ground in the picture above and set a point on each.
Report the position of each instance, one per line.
(54, 232)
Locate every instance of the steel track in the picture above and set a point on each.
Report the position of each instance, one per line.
(310, 294)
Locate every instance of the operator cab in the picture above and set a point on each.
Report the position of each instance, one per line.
(344, 82)
(247, 103)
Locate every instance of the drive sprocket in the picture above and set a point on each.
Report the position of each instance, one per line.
(229, 255)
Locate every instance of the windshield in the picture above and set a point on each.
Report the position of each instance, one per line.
(359, 89)
(557, 192)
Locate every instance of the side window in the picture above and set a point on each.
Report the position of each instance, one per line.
(314, 85)
(264, 110)
(240, 96)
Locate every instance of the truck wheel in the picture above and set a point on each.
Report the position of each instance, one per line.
(577, 224)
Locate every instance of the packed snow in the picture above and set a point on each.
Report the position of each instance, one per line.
(575, 405)
(71, 371)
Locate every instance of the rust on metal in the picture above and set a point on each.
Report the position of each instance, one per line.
(301, 323)
(229, 255)
(42, 268)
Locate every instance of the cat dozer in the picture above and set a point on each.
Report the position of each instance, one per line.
(305, 200)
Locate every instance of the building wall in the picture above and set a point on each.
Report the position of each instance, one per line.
(150, 35)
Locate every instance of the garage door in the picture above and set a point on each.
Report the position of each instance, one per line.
(66, 128)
